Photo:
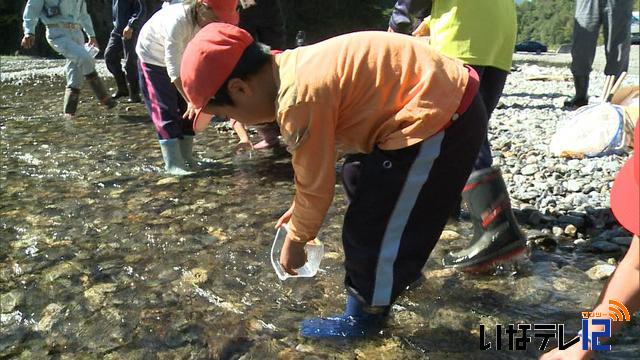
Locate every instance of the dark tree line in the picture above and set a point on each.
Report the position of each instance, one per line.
(548, 21)
(319, 20)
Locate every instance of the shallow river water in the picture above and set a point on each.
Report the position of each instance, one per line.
(102, 256)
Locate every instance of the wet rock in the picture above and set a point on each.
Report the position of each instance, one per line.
(257, 325)
(195, 276)
(9, 301)
(449, 235)
(557, 231)
(332, 255)
(601, 271)
(580, 242)
(305, 348)
(12, 332)
(605, 246)
(168, 180)
(51, 315)
(62, 270)
(139, 354)
(96, 295)
(570, 230)
(440, 273)
(622, 240)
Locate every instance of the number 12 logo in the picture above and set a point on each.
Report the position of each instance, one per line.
(595, 345)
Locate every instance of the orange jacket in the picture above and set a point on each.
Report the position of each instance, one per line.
(351, 93)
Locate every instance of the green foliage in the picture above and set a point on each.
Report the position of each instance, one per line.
(547, 21)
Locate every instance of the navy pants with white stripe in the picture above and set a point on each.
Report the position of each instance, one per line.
(399, 202)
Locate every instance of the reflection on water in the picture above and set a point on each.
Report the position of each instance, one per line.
(102, 255)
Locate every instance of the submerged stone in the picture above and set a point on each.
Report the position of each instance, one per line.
(601, 271)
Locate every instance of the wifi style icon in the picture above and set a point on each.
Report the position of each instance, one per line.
(618, 312)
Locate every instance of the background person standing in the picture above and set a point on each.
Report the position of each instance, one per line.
(65, 20)
(615, 18)
(127, 18)
(481, 33)
(263, 19)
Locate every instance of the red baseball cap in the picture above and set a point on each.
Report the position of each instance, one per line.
(207, 62)
(226, 10)
(625, 194)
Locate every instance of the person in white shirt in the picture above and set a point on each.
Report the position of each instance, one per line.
(161, 42)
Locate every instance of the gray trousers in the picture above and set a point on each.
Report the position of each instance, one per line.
(615, 17)
(70, 44)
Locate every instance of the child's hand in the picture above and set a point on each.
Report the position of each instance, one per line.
(293, 256)
(191, 112)
(127, 33)
(93, 42)
(285, 217)
(27, 41)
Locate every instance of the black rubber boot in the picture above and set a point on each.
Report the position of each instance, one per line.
(496, 236)
(98, 89)
(121, 84)
(71, 99)
(134, 92)
(581, 99)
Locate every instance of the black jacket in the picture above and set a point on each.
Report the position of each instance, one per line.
(127, 12)
(405, 10)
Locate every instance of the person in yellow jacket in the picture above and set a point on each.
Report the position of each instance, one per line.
(481, 33)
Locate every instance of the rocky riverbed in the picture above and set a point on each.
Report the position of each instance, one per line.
(103, 257)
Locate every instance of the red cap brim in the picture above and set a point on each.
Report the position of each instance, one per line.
(625, 196)
(202, 120)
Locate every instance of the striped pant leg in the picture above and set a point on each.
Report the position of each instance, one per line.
(399, 204)
(163, 101)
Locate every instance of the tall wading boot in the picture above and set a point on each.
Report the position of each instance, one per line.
(71, 99)
(134, 92)
(496, 236)
(172, 156)
(98, 89)
(580, 99)
(121, 84)
(186, 149)
(358, 320)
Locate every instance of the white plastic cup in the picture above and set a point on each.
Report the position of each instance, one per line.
(314, 249)
(92, 50)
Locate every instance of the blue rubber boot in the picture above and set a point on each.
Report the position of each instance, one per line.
(357, 321)
(186, 149)
(173, 161)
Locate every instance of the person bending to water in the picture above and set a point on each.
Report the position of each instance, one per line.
(408, 117)
(160, 50)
